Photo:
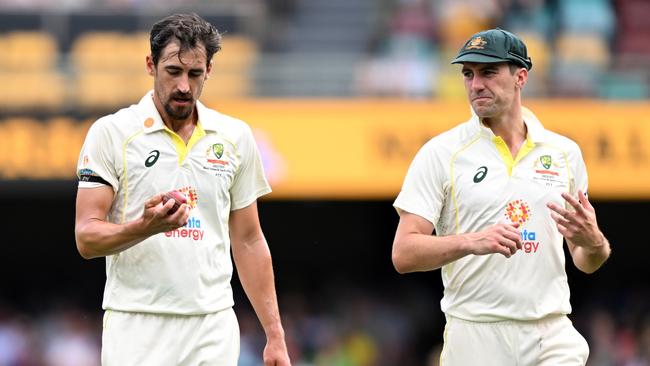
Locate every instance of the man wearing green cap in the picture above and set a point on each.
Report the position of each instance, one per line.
(501, 193)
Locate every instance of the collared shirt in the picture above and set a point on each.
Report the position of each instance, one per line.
(466, 180)
(188, 270)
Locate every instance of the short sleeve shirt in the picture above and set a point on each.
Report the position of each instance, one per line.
(466, 180)
(187, 270)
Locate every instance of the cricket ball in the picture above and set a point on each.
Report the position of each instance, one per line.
(178, 197)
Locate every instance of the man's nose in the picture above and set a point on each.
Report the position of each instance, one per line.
(183, 84)
(477, 83)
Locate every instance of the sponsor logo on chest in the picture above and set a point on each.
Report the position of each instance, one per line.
(518, 212)
(192, 229)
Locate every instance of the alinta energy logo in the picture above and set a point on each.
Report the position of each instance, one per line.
(193, 228)
(518, 212)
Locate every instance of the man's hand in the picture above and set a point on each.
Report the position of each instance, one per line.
(587, 244)
(97, 237)
(155, 218)
(578, 225)
(500, 238)
(275, 352)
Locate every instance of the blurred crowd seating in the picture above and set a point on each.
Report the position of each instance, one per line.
(28, 70)
(107, 70)
(110, 68)
(580, 48)
(344, 327)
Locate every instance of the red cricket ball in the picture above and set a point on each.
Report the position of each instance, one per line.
(178, 197)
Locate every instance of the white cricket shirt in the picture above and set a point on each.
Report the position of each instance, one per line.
(188, 270)
(465, 180)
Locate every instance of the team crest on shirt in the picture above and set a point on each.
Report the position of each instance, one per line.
(547, 172)
(546, 161)
(218, 159)
(217, 149)
(518, 212)
(215, 153)
(545, 165)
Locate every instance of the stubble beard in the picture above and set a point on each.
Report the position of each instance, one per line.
(178, 113)
(484, 111)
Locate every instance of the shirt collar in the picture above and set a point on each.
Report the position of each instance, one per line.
(536, 131)
(151, 120)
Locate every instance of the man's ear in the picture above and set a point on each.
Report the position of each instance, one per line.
(151, 67)
(208, 70)
(522, 77)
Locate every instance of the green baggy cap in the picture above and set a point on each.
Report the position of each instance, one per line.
(494, 45)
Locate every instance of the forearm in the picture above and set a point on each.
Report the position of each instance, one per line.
(255, 269)
(589, 259)
(420, 252)
(97, 238)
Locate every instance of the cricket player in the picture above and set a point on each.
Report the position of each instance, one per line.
(489, 202)
(168, 298)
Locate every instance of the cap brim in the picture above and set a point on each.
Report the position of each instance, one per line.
(477, 57)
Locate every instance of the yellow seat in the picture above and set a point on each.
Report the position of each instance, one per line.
(94, 50)
(20, 151)
(110, 89)
(236, 52)
(538, 50)
(232, 68)
(32, 89)
(30, 50)
(583, 49)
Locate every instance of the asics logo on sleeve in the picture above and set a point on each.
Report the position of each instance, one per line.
(480, 174)
(152, 159)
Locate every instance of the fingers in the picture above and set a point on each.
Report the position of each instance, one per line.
(158, 217)
(585, 201)
(583, 210)
(512, 240)
(559, 210)
(153, 201)
(560, 220)
(181, 215)
(577, 206)
(507, 240)
(563, 230)
(508, 247)
(512, 243)
(167, 206)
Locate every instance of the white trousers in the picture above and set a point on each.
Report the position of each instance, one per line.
(141, 339)
(552, 341)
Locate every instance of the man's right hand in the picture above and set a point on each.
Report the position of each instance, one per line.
(97, 237)
(415, 249)
(500, 238)
(156, 218)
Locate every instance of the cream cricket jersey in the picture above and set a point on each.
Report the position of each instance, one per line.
(188, 270)
(465, 180)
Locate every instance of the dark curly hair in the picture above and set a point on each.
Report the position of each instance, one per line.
(189, 29)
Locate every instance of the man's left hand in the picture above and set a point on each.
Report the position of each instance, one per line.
(579, 225)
